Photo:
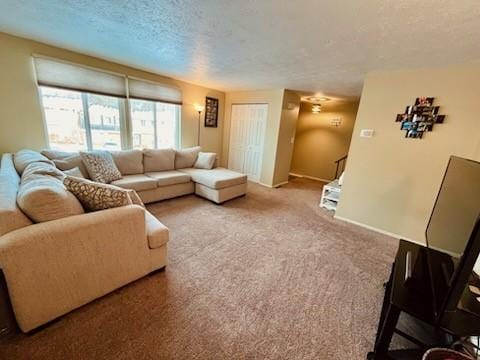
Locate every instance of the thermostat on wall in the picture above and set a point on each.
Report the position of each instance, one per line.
(367, 133)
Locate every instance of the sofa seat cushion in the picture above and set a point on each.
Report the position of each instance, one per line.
(165, 178)
(138, 182)
(157, 233)
(218, 178)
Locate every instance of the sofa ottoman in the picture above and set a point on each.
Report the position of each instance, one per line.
(219, 184)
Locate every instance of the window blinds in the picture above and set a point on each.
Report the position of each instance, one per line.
(78, 77)
(148, 90)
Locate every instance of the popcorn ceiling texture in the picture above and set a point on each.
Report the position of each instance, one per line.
(266, 276)
(243, 45)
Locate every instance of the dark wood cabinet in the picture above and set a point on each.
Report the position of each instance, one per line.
(409, 291)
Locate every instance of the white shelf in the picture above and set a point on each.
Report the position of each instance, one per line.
(330, 195)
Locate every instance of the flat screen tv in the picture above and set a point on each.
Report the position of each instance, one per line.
(453, 235)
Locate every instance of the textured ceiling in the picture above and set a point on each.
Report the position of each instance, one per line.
(322, 46)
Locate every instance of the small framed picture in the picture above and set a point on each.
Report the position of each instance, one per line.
(414, 134)
(408, 125)
(211, 112)
(424, 101)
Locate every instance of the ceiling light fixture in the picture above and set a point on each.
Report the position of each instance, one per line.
(316, 99)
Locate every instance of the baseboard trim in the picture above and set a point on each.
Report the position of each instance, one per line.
(380, 231)
(310, 177)
(273, 186)
(280, 184)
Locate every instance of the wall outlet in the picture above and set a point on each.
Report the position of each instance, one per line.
(367, 133)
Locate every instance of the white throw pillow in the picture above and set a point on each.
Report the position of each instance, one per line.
(100, 166)
(205, 160)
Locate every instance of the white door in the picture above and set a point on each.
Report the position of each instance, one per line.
(247, 135)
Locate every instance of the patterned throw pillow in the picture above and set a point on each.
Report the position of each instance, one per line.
(96, 196)
(100, 166)
(136, 200)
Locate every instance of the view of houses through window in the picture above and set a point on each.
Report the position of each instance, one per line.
(84, 121)
(154, 124)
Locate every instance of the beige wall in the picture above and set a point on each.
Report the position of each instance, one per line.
(274, 99)
(318, 144)
(21, 123)
(391, 182)
(288, 124)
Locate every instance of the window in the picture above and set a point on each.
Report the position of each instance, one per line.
(64, 117)
(154, 124)
(85, 108)
(104, 114)
(82, 121)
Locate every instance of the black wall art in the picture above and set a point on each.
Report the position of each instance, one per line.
(211, 112)
(420, 118)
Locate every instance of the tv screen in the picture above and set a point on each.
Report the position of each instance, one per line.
(456, 209)
(452, 233)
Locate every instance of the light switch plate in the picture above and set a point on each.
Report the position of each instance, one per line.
(367, 133)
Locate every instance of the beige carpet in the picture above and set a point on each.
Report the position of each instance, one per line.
(266, 276)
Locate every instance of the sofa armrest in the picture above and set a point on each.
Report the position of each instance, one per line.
(56, 266)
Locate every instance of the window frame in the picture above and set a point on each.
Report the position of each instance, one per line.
(178, 112)
(126, 119)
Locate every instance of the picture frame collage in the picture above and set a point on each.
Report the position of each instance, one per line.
(211, 112)
(420, 117)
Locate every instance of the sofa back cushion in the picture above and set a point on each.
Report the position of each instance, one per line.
(74, 172)
(11, 217)
(158, 160)
(100, 166)
(25, 157)
(42, 195)
(53, 154)
(129, 162)
(186, 158)
(71, 162)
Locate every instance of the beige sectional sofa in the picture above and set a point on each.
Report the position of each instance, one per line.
(165, 173)
(60, 257)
